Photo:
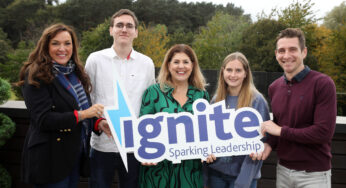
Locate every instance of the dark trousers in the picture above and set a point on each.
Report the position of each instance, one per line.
(103, 166)
(70, 181)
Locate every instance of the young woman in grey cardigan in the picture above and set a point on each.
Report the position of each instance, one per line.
(235, 86)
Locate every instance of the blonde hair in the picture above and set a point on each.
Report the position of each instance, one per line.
(196, 78)
(248, 89)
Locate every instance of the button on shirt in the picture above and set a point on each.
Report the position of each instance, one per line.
(135, 73)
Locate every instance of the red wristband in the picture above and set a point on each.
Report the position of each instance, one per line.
(96, 126)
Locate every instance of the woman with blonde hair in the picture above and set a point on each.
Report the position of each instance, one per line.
(236, 87)
(180, 83)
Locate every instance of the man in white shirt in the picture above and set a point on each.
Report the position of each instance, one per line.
(136, 73)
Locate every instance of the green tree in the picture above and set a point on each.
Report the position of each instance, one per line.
(221, 36)
(22, 19)
(7, 128)
(181, 37)
(331, 52)
(336, 18)
(95, 39)
(258, 45)
(5, 46)
(87, 14)
(10, 69)
(152, 41)
(300, 14)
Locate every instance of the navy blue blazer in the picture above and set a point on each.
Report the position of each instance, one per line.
(53, 142)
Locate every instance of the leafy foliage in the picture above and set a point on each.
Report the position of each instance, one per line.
(299, 14)
(336, 17)
(10, 69)
(219, 38)
(22, 19)
(180, 37)
(5, 178)
(258, 45)
(5, 46)
(95, 40)
(5, 91)
(7, 128)
(87, 14)
(152, 42)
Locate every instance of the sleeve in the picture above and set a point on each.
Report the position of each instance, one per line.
(322, 129)
(248, 172)
(271, 140)
(148, 102)
(41, 107)
(90, 69)
(261, 105)
(151, 74)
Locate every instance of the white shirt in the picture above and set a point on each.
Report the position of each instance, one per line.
(135, 73)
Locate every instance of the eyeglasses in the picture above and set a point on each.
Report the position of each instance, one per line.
(122, 25)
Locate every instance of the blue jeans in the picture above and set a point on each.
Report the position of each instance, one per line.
(70, 181)
(286, 178)
(103, 166)
(220, 180)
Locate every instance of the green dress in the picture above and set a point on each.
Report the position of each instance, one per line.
(188, 173)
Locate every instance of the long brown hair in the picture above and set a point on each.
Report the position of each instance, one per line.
(248, 89)
(39, 64)
(196, 78)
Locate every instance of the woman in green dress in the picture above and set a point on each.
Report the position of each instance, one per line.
(180, 83)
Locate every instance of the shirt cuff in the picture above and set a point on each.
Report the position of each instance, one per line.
(75, 112)
(96, 126)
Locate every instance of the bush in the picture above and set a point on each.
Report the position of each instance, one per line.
(7, 128)
(5, 178)
(5, 91)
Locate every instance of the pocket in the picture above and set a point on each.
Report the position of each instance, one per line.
(37, 138)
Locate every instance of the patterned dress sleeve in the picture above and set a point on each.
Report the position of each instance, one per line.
(148, 105)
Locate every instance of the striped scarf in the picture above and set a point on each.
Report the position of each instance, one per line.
(67, 77)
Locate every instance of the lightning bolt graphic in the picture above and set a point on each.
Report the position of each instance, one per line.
(113, 115)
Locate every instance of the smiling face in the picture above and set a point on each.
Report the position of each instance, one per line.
(290, 56)
(180, 68)
(234, 75)
(61, 47)
(123, 30)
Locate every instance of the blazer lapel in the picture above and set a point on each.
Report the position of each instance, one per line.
(66, 95)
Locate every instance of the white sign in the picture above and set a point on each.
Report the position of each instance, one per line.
(212, 129)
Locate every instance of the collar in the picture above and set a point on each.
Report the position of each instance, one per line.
(300, 76)
(131, 55)
(190, 91)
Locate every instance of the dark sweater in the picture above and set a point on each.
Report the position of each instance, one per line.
(306, 111)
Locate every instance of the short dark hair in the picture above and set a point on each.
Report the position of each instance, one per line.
(292, 33)
(124, 12)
